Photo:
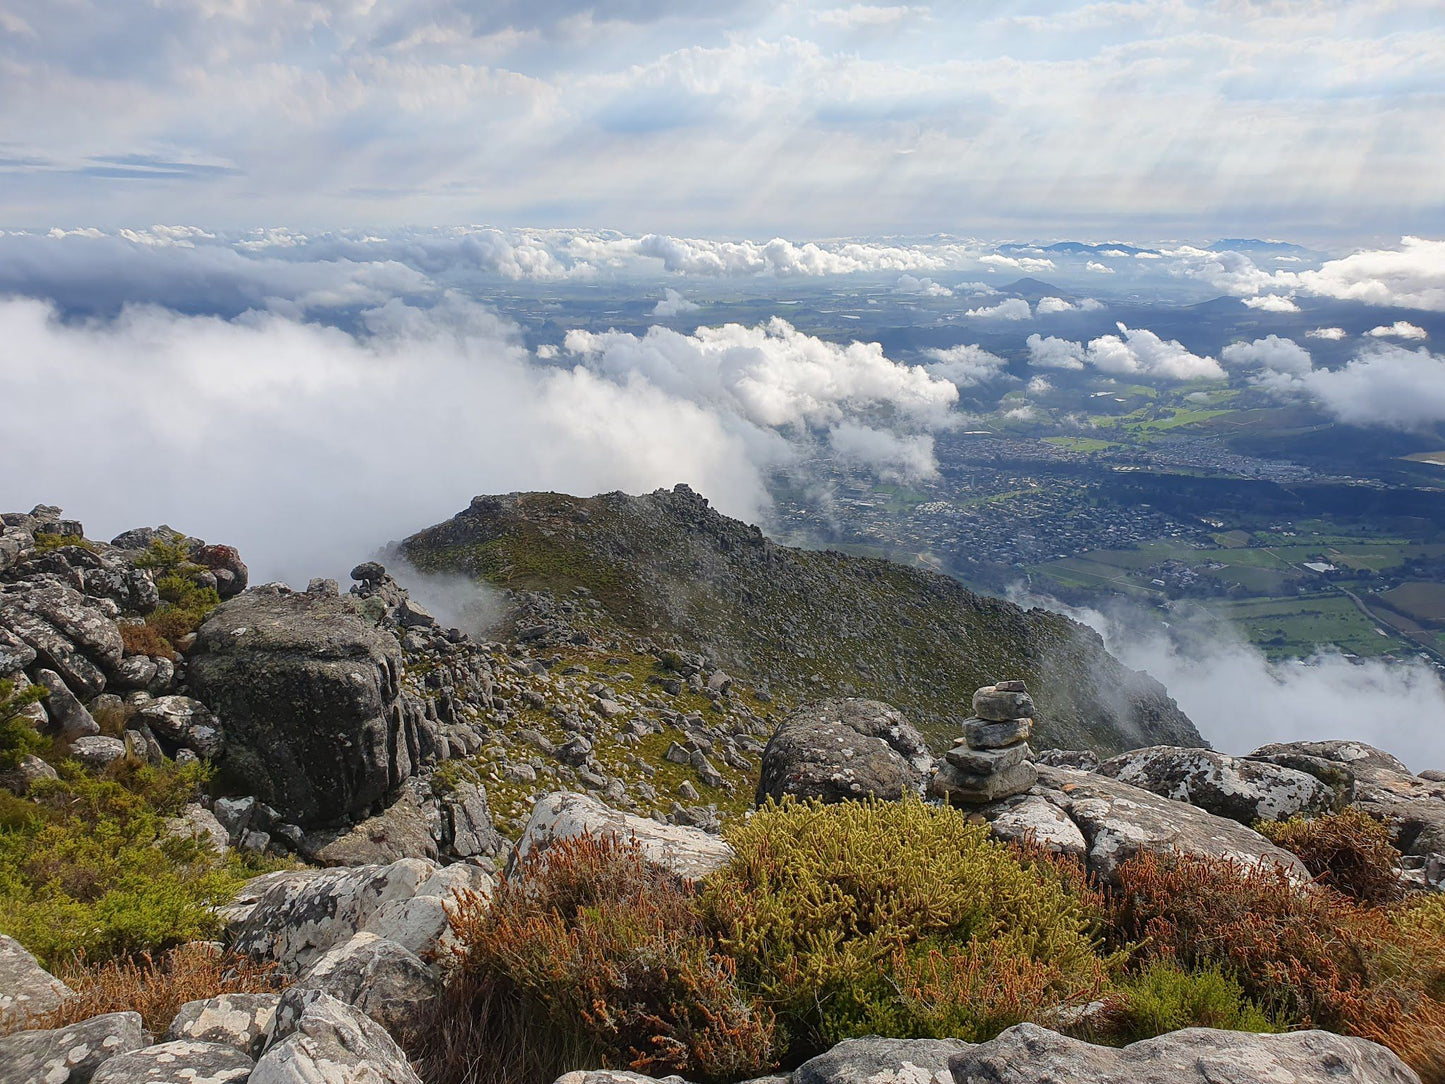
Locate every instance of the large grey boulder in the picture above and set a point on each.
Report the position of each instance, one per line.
(1118, 821)
(844, 748)
(381, 978)
(26, 988)
(240, 1021)
(1242, 790)
(71, 634)
(320, 1040)
(688, 852)
(67, 714)
(185, 723)
(298, 920)
(1029, 1054)
(181, 1061)
(309, 699)
(72, 1054)
(877, 1060)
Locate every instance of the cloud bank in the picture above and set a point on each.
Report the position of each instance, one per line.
(1134, 352)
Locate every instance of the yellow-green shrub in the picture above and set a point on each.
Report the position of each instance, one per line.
(897, 918)
(1163, 998)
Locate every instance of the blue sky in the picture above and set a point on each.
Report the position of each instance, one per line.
(1312, 120)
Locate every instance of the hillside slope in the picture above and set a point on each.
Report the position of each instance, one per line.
(800, 623)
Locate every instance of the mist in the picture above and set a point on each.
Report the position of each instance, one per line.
(1241, 700)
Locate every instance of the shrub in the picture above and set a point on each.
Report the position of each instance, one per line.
(145, 639)
(590, 956)
(155, 987)
(1349, 851)
(46, 541)
(185, 603)
(88, 870)
(1163, 998)
(18, 737)
(897, 918)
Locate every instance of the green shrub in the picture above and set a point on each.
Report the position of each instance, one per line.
(1163, 998)
(1348, 851)
(46, 541)
(897, 918)
(87, 869)
(591, 956)
(18, 737)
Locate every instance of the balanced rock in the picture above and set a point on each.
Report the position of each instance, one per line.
(1002, 702)
(995, 734)
(962, 788)
(991, 761)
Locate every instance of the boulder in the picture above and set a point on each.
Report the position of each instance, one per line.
(26, 988)
(226, 564)
(839, 749)
(969, 788)
(310, 703)
(180, 1061)
(184, 722)
(70, 633)
(195, 821)
(1029, 1054)
(420, 924)
(1242, 790)
(29, 771)
(72, 1054)
(298, 920)
(688, 852)
(381, 978)
(67, 714)
(1034, 818)
(240, 1021)
(875, 1060)
(96, 751)
(1003, 702)
(1119, 820)
(320, 1040)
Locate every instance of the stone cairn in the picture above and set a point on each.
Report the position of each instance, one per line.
(991, 760)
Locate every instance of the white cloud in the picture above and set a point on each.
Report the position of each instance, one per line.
(1030, 264)
(1271, 303)
(1050, 352)
(1400, 329)
(1048, 306)
(965, 365)
(1011, 308)
(1334, 334)
(1386, 385)
(867, 16)
(1133, 352)
(1039, 385)
(1271, 352)
(1412, 276)
(1098, 268)
(894, 457)
(908, 284)
(673, 304)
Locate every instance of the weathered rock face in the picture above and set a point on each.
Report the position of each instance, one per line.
(1242, 790)
(417, 824)
(320, 1040)
(1029, 1054)
(686, 851)
(381, 978)
(310, 703)
(1118, 820)
(876, 1060)
(844, 749)
(26, 988)
(240, 1021)
(69, 1055)
(70, 633)
(181, 1060)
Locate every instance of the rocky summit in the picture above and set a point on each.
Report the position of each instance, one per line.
(260, 834)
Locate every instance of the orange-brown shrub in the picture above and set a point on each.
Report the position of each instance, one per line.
(590, 956)
(145, 639)
(1350, 851)
(155, 988)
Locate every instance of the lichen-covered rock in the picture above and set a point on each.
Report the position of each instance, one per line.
(298, 920)
(309, 699)
(72, 1054)
(67, 714)
(26, 988)
(958, 787)
(320, 1040)
(1032, 817)
(184, 722)
(1029, 1054)
(1119, 820)
(181, 1061)
(241, 1021)
(195, 821)
(842, 749)
(380, 977)
(686, 851)
(877, 1060)
(70, 633)
(1242, 790)
(96, 751)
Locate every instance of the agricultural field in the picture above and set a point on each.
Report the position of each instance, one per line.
(1298, 627)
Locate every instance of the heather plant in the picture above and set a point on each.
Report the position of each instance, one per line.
(18, 737)
(1164, 998)
(1349, 851)
(897, 918)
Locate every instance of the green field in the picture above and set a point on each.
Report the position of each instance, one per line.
(1420, 601)
(1297, 627)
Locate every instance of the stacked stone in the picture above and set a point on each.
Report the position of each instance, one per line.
(991, 761)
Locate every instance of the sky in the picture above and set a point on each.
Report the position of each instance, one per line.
(730, 119)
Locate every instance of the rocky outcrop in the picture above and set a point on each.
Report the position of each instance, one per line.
(69, 633)
(309, 699)
(841, 749)
(1029, 1054)
(26, 988)
(686, 851)
(1241, 789)
(876, 1060)
(240, 1021)
(1117, 820)
(388, 982)
(72, 1054)
(180, 1060)
(320, 1040)
(419, 823)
